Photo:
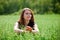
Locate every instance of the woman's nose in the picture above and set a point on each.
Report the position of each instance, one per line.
(29, 14)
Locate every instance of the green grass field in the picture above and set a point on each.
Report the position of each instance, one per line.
(49, 28)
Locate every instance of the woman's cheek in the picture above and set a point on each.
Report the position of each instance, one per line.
(29, 17)
(25, 17)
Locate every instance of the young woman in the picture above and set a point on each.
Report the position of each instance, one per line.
(26, 22)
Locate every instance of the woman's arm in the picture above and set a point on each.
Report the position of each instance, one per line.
(35, 29)
(16, 28)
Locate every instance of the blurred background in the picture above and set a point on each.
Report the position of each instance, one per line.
(46, 15)
(38, 6)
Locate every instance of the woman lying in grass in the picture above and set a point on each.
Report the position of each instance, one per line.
(26, 22)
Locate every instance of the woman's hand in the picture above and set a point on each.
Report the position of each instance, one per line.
(28, 28)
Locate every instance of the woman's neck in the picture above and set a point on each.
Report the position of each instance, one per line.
(26, 22)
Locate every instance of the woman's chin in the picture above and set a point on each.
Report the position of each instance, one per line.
(28, 19)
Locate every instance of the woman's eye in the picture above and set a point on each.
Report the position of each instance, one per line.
(26, 13)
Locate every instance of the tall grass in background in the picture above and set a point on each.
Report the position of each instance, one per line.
(49, 28)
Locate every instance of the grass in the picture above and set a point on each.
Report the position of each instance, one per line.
(49, 28)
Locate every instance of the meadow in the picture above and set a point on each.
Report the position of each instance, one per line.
(49, 28)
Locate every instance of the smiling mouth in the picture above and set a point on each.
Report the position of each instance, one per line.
(28, 17)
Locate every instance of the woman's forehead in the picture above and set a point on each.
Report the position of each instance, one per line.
(27, 11)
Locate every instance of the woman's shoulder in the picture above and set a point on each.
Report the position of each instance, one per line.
(16, 23)
(35, 24)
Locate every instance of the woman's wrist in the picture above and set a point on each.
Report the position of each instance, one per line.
(34, 31)
(21, 30)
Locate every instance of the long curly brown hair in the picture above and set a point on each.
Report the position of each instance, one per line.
(21, 20)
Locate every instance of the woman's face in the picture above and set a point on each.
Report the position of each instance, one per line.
(27, 15)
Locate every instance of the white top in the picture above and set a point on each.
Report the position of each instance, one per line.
(16, 28)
